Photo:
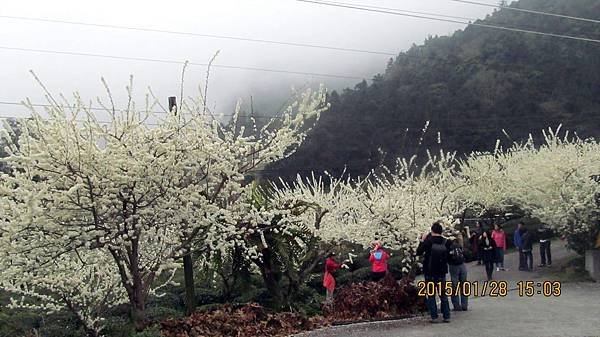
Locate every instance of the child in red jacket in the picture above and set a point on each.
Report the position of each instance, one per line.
(328, 280)
(378, 259)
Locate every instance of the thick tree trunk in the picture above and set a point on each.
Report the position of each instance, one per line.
(190, 293)
(138, 314)
(272, 285)
(270, 278)
(138, 294)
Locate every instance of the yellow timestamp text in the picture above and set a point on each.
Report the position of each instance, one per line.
(488, 288)
(476, 288)
(545, 288)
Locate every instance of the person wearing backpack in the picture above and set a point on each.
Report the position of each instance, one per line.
(458, 274)
(435, 250)
(378, 259)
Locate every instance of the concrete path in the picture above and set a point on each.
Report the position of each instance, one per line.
(576, 312)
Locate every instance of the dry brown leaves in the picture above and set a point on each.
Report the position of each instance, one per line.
(375, 300)
(249, 320)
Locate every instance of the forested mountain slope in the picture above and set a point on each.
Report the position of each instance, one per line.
(469, 86)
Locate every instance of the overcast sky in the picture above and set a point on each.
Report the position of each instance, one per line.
(281, 20)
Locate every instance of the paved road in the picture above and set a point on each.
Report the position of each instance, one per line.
(576, 312)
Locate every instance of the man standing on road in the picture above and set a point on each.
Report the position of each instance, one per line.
(435, 249)
(545, 234)
(527, 248)
(519, 245)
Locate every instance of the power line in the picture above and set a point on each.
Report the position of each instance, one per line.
(118, 109)
(527, 11)
(409, 11)
(213, 36)
(350, 6)
(144, 59)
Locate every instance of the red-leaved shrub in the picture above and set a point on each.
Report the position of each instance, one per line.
(375, 300)
(249, 320)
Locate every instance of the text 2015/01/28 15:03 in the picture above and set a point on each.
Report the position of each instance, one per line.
(489, 288)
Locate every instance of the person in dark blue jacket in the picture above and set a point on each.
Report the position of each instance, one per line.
(518, 241)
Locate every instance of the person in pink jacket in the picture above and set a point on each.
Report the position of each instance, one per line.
(500, 238)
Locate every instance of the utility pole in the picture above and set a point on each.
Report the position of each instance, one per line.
(188, 263)
(173, 104)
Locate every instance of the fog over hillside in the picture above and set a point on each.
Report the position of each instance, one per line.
(278, 20)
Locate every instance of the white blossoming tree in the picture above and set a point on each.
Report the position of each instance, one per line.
(139, 193)
(554, 181)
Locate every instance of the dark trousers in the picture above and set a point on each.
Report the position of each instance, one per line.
(489, 268)
(522, 262)
(431, 304)
(376, 276)
(545, 254)
(528, 255)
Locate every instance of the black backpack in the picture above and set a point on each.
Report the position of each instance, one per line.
(457, 256)
(438, 257)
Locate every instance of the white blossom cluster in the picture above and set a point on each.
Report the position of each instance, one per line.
(83, 283)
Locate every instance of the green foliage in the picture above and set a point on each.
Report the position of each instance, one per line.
(17, 323)
(117, 326)
(469, 86)
(157, 314)
(358, 275)
(26, 323)
(150, 332)
(253, 294)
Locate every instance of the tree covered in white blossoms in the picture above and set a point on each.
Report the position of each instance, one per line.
(127, 198)
(556, 181)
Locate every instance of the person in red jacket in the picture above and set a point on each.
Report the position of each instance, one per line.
(328, 280)
(378, 259)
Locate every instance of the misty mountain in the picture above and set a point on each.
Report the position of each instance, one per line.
(469, 87)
